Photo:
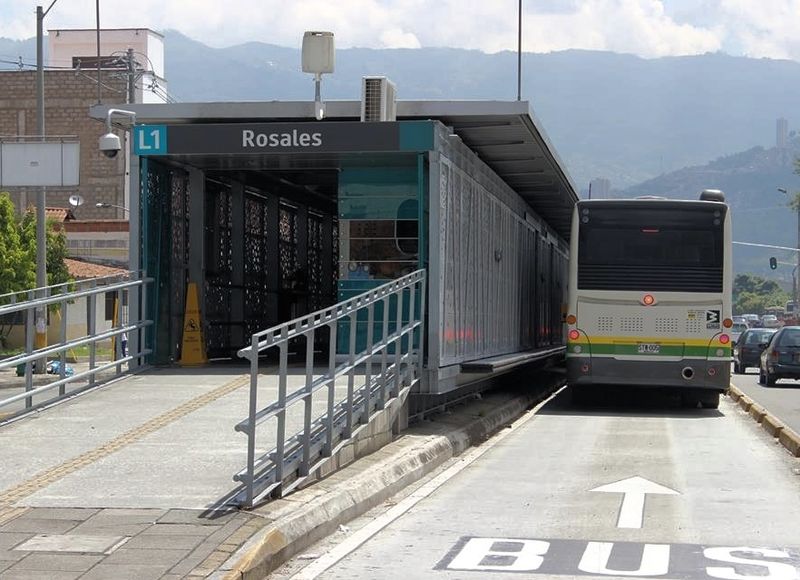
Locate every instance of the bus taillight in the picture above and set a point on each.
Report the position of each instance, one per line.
(648, 300)
(572, 319)
(724, 339)
(727, 323)
(574, 334)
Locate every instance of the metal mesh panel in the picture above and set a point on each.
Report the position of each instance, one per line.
(334, 259)
(287, 239)
(219, 267)
(165, 256)
(316, 247)
(502, 289)
(180, 255)
(256, 265)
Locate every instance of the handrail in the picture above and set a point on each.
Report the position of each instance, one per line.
(131, 285)
(396, 334)
(96, 286)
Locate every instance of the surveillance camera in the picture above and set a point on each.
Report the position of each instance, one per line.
(110, 145)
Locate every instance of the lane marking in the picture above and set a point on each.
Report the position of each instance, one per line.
(353, 542)
(557, 557)
(13, 495)
(634, 489)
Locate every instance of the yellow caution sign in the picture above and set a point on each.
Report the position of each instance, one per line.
(193, 349)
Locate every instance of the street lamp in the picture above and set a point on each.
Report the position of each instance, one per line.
(105, 205)
(795, 290)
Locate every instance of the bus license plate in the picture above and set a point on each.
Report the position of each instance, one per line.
(649, 348)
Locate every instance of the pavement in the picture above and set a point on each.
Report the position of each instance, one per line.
(133, 479)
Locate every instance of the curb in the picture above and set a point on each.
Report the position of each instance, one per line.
(317, 511)
(771, 424)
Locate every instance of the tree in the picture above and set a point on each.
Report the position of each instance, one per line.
(15, 273)
(754, 284)
(754, 294)
(57, 272)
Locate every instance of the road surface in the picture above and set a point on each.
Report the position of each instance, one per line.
(616, 491)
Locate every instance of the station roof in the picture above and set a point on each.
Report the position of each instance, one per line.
(504, 134)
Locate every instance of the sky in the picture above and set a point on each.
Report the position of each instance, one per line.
(648, 28)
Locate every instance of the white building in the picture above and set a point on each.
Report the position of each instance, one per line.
(78, 48)
(781, 133)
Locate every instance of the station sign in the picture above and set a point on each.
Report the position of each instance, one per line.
(266, 138)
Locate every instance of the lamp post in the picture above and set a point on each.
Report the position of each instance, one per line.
(796, 206)
(41, 232)
(105, 205)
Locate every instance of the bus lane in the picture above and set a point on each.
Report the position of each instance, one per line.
(618, 490)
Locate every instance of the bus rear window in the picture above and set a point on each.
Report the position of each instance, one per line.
(636, 249)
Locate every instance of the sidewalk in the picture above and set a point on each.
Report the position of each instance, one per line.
(131, 481)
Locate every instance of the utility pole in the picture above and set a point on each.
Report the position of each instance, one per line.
(41, 225)
(41, 238)
(795, 204)
(131, 77)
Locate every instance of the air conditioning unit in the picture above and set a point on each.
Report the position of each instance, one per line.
(378, 99)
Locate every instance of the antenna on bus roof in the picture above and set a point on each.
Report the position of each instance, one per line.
(712, 195)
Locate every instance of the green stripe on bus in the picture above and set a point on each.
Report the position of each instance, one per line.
(665, 350)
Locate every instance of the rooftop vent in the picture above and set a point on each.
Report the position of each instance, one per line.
(378, 99)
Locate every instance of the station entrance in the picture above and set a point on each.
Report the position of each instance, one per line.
(282, 235)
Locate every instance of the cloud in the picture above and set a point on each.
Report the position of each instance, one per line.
(396, 38)
(649, 28)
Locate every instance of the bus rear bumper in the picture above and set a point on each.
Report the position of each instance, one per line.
(687, 373)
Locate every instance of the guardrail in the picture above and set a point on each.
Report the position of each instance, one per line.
(65, 299)
(391, 360)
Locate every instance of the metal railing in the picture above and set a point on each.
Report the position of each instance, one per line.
(391, 320)
(18, 309)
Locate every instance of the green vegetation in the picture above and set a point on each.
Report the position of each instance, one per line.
(754, 294)
(18, 254)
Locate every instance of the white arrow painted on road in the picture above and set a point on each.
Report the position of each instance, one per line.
(633, 489)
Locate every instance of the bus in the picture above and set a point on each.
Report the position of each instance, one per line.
(649, 302)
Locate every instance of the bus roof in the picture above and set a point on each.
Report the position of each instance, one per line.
(652, 202)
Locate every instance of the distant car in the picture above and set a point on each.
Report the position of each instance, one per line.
(736, 330)
(747, 351)
(770, 321)
(752, 320)
(739, 319)
(781, 357)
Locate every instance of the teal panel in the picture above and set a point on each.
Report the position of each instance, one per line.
(416, 135)
(377, 192)
(349, 289)
(372, 209)
(380, 181)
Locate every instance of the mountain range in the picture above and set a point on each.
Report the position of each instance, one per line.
(665, 126)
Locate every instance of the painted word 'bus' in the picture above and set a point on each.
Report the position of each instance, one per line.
(650, 296)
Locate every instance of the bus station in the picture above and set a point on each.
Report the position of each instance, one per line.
(273, 214)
